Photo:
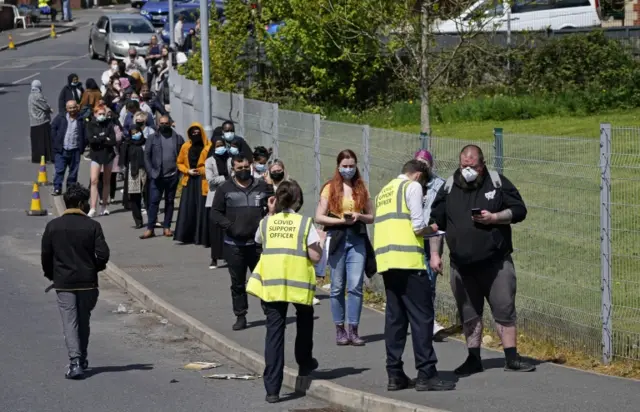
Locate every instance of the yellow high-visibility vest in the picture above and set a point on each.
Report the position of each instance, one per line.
(42, 3)
(395, 244)
(284, 272)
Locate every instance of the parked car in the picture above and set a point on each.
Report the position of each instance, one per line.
(157, 11)
(524, 15)
(138, 3)
(114, 34)
(191, 15)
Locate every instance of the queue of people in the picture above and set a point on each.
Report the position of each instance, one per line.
(243, 205)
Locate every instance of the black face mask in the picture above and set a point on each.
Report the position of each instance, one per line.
(277, 176)
(140, 125)
(243, 175)
(165, 129)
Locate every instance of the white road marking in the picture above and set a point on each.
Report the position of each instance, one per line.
(70, 60)
(17, 183)
(21, 80)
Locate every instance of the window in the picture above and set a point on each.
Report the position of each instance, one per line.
(135, 26)
(488, 9)
(561, 4)
(526, 6)
(190, 16)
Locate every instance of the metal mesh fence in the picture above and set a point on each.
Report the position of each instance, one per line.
(558, 249)
(625, 238)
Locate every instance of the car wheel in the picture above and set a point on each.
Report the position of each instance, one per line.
(92, 53)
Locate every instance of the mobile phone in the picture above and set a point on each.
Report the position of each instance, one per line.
(476, 211)
(347, 216)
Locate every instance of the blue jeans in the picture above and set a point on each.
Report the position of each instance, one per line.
(158, 187)
(62, 160)
(66, 9)
(347, 266)
(433, 277)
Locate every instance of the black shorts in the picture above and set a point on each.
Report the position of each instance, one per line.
(495, 282)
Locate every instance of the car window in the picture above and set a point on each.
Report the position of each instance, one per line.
(190, 16)
(526, 6)
(561, 4)
(490, 8)
(135, 26)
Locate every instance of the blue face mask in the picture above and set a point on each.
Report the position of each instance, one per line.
(221, 150)
(234, 151)
(347, 173)
(136, 136)
(260, 168)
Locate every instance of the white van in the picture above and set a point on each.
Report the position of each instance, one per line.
(526, 15)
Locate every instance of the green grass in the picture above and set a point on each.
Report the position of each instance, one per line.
(558, 246)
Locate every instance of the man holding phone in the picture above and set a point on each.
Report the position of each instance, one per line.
(476, 207)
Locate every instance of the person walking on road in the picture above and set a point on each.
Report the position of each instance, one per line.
(74, 250)
(398, 241)
(68, 141)
(238, 206)
(476, 207)
(40, 122)
(73, 90)
(101, 136)
(434, 183)
(160, 158)
(285, 274)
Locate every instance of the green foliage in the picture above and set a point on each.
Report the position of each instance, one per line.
(227, 48)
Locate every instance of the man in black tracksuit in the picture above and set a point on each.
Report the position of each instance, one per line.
(475, 208)
(74, 250)
(238, 206)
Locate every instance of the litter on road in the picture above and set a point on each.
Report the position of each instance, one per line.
(200, 366)
(227, 376)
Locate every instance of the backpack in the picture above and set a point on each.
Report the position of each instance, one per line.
(495, 179)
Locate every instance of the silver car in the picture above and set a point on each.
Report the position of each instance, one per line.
(114, 34)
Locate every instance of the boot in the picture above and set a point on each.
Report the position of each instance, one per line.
(342, 338)
(353, 336)
(75, 370)
(241, 323)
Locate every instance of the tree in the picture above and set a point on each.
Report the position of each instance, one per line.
(411, 32)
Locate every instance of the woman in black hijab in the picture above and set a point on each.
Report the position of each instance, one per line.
(216, 169)
(192, 225)
(72, 91)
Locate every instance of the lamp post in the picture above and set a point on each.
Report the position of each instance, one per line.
(172, 39)
(206, 75)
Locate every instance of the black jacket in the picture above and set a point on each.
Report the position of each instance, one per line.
(469, 242)
(102, 141)
(74, 250)
(239, 210)
(67, 93)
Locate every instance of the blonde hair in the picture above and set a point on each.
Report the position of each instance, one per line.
(140, 116)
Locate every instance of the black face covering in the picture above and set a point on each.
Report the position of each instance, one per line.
(165, 130)
(243, 175)
(140, 125)
(276, 176)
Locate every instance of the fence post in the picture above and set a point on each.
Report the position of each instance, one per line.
(425, 140)
(605, 242)
(365, 149)
(316, 154)
(274, 130)
(241, 113)
(499, 150)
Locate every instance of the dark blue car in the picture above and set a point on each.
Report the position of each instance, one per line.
(157, 11)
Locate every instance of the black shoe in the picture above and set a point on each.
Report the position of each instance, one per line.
(75, 371)
(139, 225)
(307, 369)
(57, 192)
(434, 384)
(400, 383)
(241, 323)
(84, 363)
(469, 367)
(272, 398)
(518, 365)
(213, 264)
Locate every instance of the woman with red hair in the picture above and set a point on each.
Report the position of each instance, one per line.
(344, 210)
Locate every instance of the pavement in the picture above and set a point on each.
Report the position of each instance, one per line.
(175, 282)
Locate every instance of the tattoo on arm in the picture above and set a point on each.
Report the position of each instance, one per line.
(473, 333)
(504, 217)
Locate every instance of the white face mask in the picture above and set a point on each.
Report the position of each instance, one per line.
(469, 174)
(114, 68)
(228, 136)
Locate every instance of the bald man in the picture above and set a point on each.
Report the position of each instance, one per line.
(68, 140)
(476, 207)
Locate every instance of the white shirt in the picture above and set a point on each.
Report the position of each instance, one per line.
(178, 34)
(312, 238)
(138, 62)
(106, 76)
(413, 197)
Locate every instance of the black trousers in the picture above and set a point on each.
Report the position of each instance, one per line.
(276, 313)
(112, 187)
(135, 204)
(409, 301)
(239, 260)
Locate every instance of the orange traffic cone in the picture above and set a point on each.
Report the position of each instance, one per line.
(12, 45)
(53, 32)
(36, 208)
(42, 173)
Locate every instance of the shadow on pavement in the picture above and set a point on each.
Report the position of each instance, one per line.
(124, 368)
(337, 373)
